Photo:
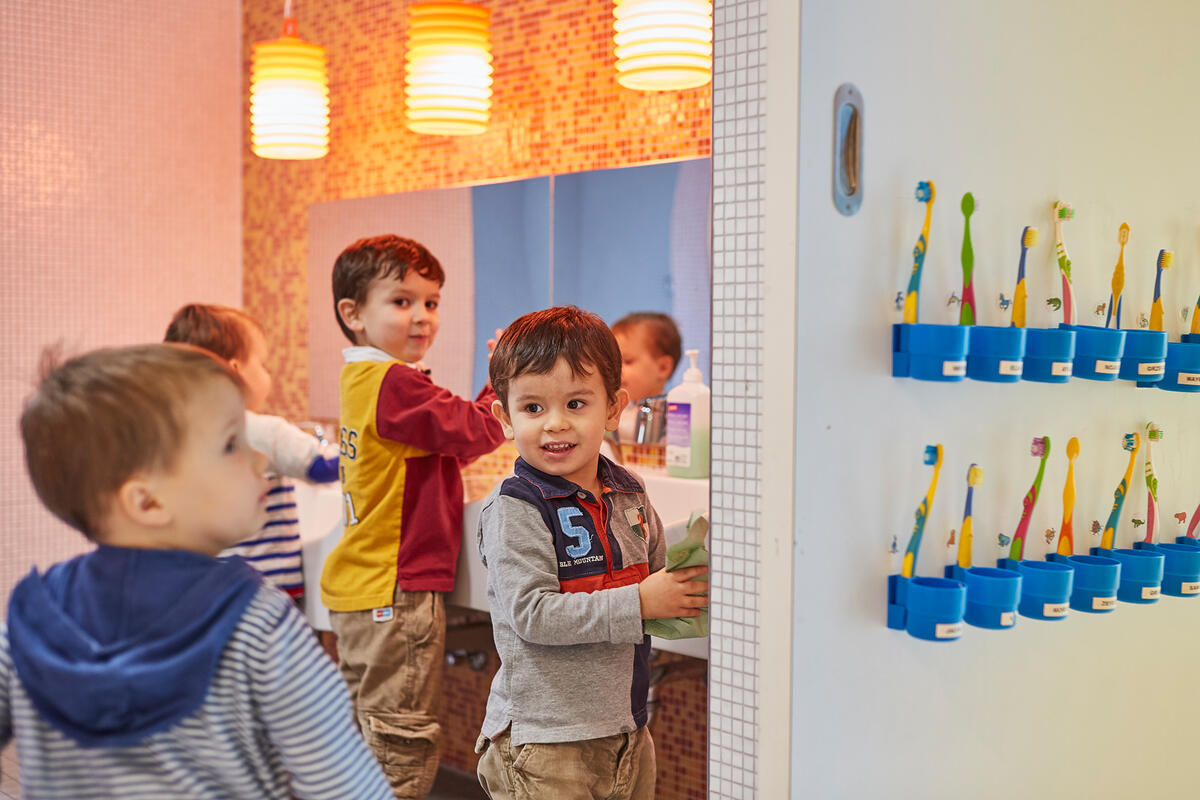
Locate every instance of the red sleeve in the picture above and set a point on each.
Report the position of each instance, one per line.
(414, 410)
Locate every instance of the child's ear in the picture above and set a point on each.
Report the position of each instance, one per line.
(615, 408)
(501, 415)
(138, 501)
(664, 366)
(347, 310)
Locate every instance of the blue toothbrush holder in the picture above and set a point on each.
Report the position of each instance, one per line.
(930, 352)
(1141, 574)
(1097, 351)
(1045, 587)
(1183, 365)
(996, 354)
(1049, 353)
(1181, 567)
(1094, 588)
(992, 595)
(928, 608)
(1144, 359)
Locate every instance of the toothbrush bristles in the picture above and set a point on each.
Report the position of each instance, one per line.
(1166, 258)
(924, 191)
(1153, 432)
(1038, 448)
(1030, 236)
(931, 454)
(1064, 211)
(1131, 442)
(974, 475)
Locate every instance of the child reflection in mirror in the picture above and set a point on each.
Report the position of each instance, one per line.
(650, 350)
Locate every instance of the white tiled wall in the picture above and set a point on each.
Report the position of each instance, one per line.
(120, 198)
(738, 179)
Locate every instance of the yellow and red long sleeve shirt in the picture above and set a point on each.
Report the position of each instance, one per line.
(403, 442)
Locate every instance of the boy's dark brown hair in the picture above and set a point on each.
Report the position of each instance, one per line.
(378, 257)
(535, 342)
(218, 329)
(100, 418)
(661, 330)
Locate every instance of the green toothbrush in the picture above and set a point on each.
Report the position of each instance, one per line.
(966, 308)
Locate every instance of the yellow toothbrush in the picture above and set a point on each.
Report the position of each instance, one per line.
(1029, 238)
(925, 193)
(933, 457)
(1066, 537)
(1133, 443)
(1165, 259)
(1118, 279)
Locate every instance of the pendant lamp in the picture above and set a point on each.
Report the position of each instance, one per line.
(448, 69)
(663, 44)
(289, 96)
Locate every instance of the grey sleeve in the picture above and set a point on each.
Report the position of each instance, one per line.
(523, 588)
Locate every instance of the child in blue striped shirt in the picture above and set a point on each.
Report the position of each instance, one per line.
(149, 667)
(236, 337)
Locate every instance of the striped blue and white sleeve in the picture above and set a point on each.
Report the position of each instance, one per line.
(307, 713)
(6, 675)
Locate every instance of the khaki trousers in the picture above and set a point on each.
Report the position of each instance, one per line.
(393, 670)
(619, 767)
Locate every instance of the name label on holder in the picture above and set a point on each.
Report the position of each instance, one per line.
(1103, 603)
(1011, 367)
(1060, 368)
(1008, 619)
(1189, 588)
(954, 369)
(1154, 368)
(1108, 367)
(1054, 609)
(947, 630)
(1188, 379)
(1149, 592)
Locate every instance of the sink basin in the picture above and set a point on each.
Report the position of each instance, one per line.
(321, 513)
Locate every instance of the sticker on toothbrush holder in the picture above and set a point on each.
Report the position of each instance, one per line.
(1188, 379)
(1107, 367)
(947, 630)
(1008, 619)
(1011, 367)
(954, 369)
(1061, 368)
(1054, 609)
(1104, 603)
(1152, 368)
(1189, 588)
(1149, 592)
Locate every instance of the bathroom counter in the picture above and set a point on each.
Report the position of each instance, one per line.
(319, 508)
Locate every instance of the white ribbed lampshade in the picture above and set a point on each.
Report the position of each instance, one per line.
(663, 44)
(448, 69)
(289, 97)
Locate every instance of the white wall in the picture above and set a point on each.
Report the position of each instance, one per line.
(120, 199)
(1021, 103)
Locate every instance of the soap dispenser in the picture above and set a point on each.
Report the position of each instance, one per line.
(688, 411)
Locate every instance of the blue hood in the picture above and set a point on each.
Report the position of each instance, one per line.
(119, 644)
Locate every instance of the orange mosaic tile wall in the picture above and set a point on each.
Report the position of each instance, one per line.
(556, 108)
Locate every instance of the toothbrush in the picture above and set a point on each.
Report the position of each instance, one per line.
(1118, 279)
(1039, 448)
(1196, 317)
(966, 306)
(1029, 238)
(1165, 259)
(1132, 443)
(933, 456)
(1066, 536)
(925, 193)
(1191, 534)
(1063, 211)
(1153, 434)
(974, 478)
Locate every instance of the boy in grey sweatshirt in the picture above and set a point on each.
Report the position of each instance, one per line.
(575, 557)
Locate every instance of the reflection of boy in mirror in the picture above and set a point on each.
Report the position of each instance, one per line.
(650, 349)
(403, 441)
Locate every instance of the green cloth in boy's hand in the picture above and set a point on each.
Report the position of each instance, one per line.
(688, 553)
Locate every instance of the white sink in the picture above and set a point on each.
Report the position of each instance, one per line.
(319, 508)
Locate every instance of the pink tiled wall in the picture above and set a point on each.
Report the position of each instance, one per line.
(120, 198)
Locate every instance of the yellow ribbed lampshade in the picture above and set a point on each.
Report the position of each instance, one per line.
(448, 69)
(663, 44)
(289, 97)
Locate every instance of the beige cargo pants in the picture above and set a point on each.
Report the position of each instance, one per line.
(619, 767)
(393, 669)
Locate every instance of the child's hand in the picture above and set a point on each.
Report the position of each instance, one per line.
(673, 594)
(491, 343)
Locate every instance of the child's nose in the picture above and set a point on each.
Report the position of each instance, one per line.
(556, 421)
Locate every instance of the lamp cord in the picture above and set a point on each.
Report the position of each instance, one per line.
(287, 8)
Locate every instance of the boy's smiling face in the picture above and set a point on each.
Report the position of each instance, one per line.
(558, 420)
(400, 317)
